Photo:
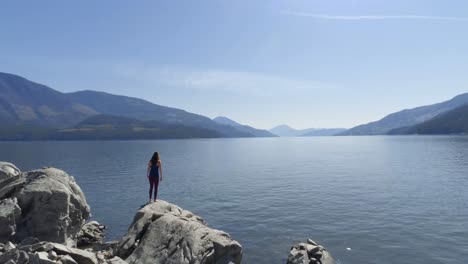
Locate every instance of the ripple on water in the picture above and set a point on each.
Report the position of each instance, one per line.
(386, 198)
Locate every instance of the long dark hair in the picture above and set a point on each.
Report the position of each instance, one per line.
(154, 160)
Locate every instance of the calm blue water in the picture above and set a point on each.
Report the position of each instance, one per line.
(389, 199)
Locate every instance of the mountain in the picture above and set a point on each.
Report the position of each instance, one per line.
(452, 122)
(105, 127)
(287, 131)
(323, 132)
(116, 127)
(24, 103)
(226, 121)
(109, 104)
(243, 128)
(407, 117)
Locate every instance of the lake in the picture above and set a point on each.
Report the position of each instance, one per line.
(390, 199)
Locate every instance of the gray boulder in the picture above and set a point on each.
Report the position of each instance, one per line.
(10, 214)
(116, 260)
(80, 256)
(8, 170)
(41, 258)
(66, 259)
(91, 233)
(50, 204)
(164, 233)
(14, 256)
(10, 179)
(309, 253)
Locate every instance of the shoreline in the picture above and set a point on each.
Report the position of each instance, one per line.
(160, 230)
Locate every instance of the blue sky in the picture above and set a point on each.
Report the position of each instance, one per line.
(304, 63)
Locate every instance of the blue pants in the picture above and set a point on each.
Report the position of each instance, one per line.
(154, 183)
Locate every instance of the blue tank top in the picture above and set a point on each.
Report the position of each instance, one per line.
(154, 172)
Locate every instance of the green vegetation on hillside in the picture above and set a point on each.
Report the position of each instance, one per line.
(451, 122)
(105, 127)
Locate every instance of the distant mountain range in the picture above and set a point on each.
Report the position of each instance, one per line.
(451, 122)
(287, 131)
(32, 111)
(29, 110)
(407, 118)
(243, 128)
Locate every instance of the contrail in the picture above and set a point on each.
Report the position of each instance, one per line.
(373, 17)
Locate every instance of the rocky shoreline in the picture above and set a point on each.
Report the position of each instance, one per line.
(44, 214)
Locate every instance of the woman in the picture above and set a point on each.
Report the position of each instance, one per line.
(154, 174)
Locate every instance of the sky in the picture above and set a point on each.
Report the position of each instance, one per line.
(315, 63)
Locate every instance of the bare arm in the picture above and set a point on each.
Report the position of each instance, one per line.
(148, 170)
(160, 172)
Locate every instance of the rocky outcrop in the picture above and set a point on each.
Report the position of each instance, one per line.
(91, 233)
(46, 204)
(309, 253)
(42, 221)
(40, 207)
(164, 233)
(52, 253)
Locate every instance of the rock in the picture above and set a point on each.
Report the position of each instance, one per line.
(318, 255)
(9, 246)
(10, 179)
(310, 253)
(46, 210)
(312, 249)
(298, 256)
(28, 241)
(302, 246)
(65, 259)
(164, 233)
(10, 214)
(14, 256)
(91, 233)
(116, 260)
(100, 256)
(311, 242)
(43, 196)
(9, 255)
(10, 185)
(41, 246)
(80, 256)
(109, 248)
(23, 257)
(52, 255)
(41, 258)
(8, 170)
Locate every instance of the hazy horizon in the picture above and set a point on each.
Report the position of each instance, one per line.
(305, 64)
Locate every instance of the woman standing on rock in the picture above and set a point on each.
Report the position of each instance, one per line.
(154, 174)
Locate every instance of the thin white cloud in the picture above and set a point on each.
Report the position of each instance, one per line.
(217, 80)
(373, 17)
